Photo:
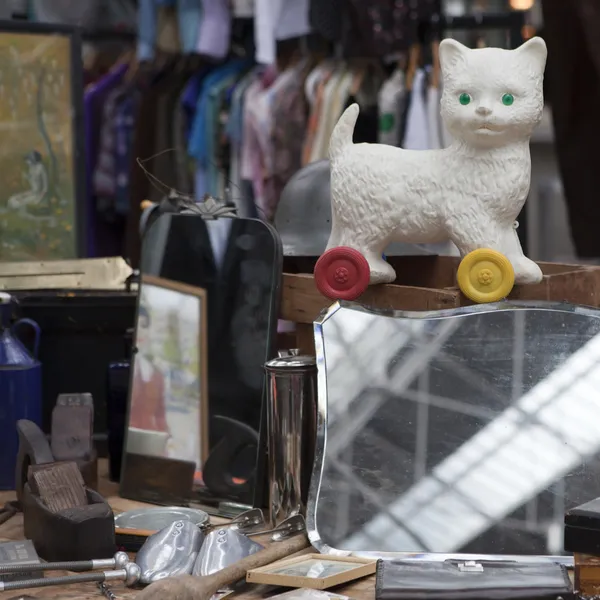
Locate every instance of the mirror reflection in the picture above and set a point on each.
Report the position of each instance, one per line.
(468, 431)
(206, 321)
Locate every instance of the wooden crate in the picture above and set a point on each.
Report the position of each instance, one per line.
(425, 283)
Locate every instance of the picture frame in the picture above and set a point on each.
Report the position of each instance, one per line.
(44, 215)
(313, 571)
(167, 413)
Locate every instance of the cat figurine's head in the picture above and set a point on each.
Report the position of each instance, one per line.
(492, 97)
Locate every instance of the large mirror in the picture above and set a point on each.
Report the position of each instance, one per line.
(468, 431)
(206, 324)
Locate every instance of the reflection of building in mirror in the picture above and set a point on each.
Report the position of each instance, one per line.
(473, 433)
(167, 416)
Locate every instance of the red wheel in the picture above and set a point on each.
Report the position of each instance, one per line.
(342, 273)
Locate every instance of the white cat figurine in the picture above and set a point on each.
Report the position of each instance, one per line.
(472, 191)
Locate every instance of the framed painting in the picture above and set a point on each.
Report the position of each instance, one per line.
(168, 398)
(42, 209)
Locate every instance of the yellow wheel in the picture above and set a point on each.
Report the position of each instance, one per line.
(485, 275)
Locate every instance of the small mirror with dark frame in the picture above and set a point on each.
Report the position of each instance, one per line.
(206, 324)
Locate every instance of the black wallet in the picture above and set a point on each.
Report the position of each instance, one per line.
(483, 580)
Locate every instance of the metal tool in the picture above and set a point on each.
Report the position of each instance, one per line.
(203, 588)
(222, 548)
(129, 574)
(105, 591)
(285, 529)
(170, 552)
(118, 561)
(245, 521)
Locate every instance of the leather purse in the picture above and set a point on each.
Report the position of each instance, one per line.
(460, 580)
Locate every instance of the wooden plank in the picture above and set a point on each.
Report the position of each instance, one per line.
(428, 283)
(302, 302)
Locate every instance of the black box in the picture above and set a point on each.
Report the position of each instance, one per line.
(82, 332)
(582, 529)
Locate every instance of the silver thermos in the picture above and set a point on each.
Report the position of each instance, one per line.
(291, 426)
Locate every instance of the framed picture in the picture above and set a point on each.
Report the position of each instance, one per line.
(42, 209)
(314, 571)
(168, 406)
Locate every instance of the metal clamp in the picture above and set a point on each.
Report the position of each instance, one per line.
(470, 567)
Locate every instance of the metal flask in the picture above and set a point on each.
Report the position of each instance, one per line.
(170, 552)
(222, 548)
(291, 427)
(20, 388)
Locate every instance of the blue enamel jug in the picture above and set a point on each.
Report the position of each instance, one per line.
(20, 387)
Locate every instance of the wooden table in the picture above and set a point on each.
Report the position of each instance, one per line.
(13, 530)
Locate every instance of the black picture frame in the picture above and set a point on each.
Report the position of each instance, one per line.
(80, 208)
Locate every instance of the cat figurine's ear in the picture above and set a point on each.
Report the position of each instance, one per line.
(451, 52)
(535, 51)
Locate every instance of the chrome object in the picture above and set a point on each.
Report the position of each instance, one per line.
(291, 431)
(245, 522)
(222, 548)
(155, 519)
(445, 432)
(119, 560)
(291, 526)
(170, 552)
(129, 574)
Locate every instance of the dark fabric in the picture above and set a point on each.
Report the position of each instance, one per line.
(326, 18)
(144, 142)
(367, 124)
(572, 33)
(163, 166)
(378, 28)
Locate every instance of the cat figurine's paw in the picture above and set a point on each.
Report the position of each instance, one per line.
(526, 271)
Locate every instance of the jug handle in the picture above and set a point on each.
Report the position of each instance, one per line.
(36, 329)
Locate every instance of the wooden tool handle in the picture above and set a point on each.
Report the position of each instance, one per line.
(202, 588)
(276, 551)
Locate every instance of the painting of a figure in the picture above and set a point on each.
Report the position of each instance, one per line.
(168, 399)
(38, 219)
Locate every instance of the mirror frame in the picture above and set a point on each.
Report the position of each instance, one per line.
(321, 441)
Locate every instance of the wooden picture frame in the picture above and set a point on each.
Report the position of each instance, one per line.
(44, 215)
(329, 571)
(168, 341)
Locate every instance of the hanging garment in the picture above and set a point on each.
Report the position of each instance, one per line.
(334, 100)
(242, 9)
(189, 19)
(235, 132)
(277, 20)
(416, 135)
(433, 118)
(215, 31)
(199, 144)
(94, 99)
(390, 101)
(573, 89)
(324, 74)
(290, 116)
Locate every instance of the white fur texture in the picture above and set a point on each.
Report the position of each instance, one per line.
(471, 192)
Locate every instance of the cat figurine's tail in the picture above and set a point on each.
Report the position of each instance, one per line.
(343, 131)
